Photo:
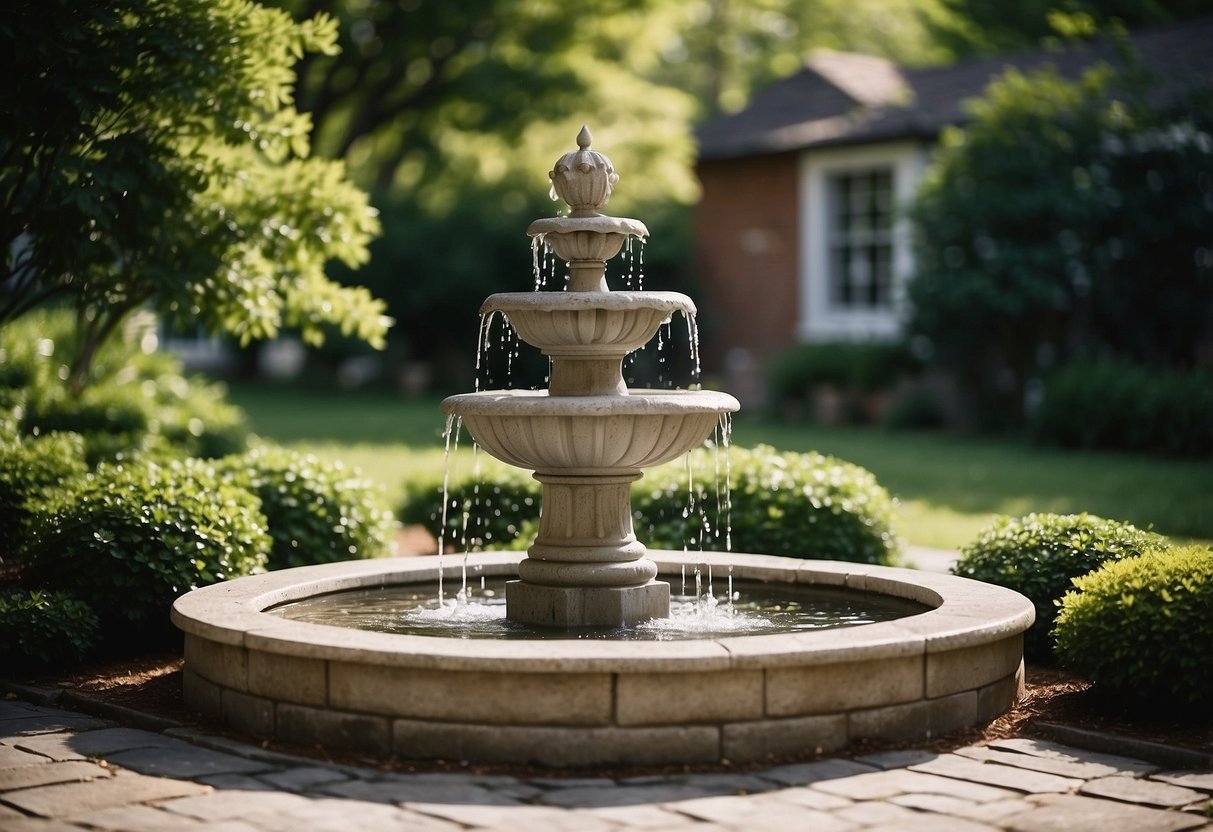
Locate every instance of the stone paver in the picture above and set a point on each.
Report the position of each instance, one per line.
(1008, 777)
(184, 760)
(1070, 813)
(121, 789)
(1200, 780)
(1145, 792)
(27, 777)
(1057, 751)
(62, 771)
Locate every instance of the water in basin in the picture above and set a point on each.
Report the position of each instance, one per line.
(479, 612)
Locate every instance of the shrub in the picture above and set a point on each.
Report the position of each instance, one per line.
(497, 502)
(317, 511)
(1140, 629)
(35, 477)
(802, 505)
(1040, 554)
(137, 399)
(44, 628)
(139, 534)
(1124, 406)
(853, 367)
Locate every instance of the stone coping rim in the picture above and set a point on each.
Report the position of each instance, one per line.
(597, 224)
(554, 301)
(969, 613)
(640, 402)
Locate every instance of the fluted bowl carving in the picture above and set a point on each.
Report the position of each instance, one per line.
(589, 435)
(588, 323)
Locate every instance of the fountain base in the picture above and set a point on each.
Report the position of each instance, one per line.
(563, 606)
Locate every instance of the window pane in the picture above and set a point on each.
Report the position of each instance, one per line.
(861, 255)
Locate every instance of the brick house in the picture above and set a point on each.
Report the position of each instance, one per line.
(798, 234)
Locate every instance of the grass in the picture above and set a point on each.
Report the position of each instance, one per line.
(949, 487)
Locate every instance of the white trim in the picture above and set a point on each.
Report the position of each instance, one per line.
(818, 320)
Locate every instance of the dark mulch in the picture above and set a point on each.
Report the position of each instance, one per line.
(152, 685)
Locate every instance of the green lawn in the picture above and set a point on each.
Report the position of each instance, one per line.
(949, 487)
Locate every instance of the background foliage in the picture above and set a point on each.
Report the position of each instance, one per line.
(153, 158)
(1067, 218)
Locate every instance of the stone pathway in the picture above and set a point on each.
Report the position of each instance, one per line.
(61, 770)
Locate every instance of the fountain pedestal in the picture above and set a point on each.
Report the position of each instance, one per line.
(586, 567)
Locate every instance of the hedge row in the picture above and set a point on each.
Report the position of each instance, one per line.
(799, 505)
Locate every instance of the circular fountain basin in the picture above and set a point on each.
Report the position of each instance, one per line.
(576, 703)
(589, 435)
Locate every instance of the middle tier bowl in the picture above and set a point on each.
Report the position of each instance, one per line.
(588, 323)
(589, 435)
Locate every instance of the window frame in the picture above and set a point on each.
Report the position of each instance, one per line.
(820, 317)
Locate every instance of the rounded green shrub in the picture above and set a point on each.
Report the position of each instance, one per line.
(317, 511)
(1040, 554)
(804, 505)
(1140, 629)
(499, 503)
(36, 475)
(39, 629)
(141, 533)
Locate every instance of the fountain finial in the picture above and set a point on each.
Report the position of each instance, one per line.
(584, 178)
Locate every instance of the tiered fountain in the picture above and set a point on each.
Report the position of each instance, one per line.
(588, 437)
(955, 660)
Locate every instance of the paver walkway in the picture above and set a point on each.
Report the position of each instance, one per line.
(61, 770)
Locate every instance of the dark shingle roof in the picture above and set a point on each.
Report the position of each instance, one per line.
(839, 98)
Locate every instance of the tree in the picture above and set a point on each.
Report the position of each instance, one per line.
(1065, 218)
(987, 27)
(152, 158)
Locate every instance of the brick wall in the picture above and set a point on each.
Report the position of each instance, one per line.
(746, 254)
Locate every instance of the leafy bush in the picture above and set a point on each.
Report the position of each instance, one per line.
(137, 399)
(801, 505)
(35, 477)
(44, 628)
(317, 511)
(853, 367)
(1140, 629)
(139, 534)
(497, 502)
(1040, 554)
(1125, 406)
(917, 410)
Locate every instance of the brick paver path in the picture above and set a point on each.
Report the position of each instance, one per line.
(61, 770)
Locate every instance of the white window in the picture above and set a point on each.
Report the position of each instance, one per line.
(856, 255)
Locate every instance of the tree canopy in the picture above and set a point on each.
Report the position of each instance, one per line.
(153, 158)
(986, 27)
(1067, 218)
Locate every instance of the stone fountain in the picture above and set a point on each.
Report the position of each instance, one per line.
(580, 703)
(587, 437)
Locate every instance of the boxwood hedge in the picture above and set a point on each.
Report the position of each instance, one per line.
(1040, 554)
(1141, 629)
